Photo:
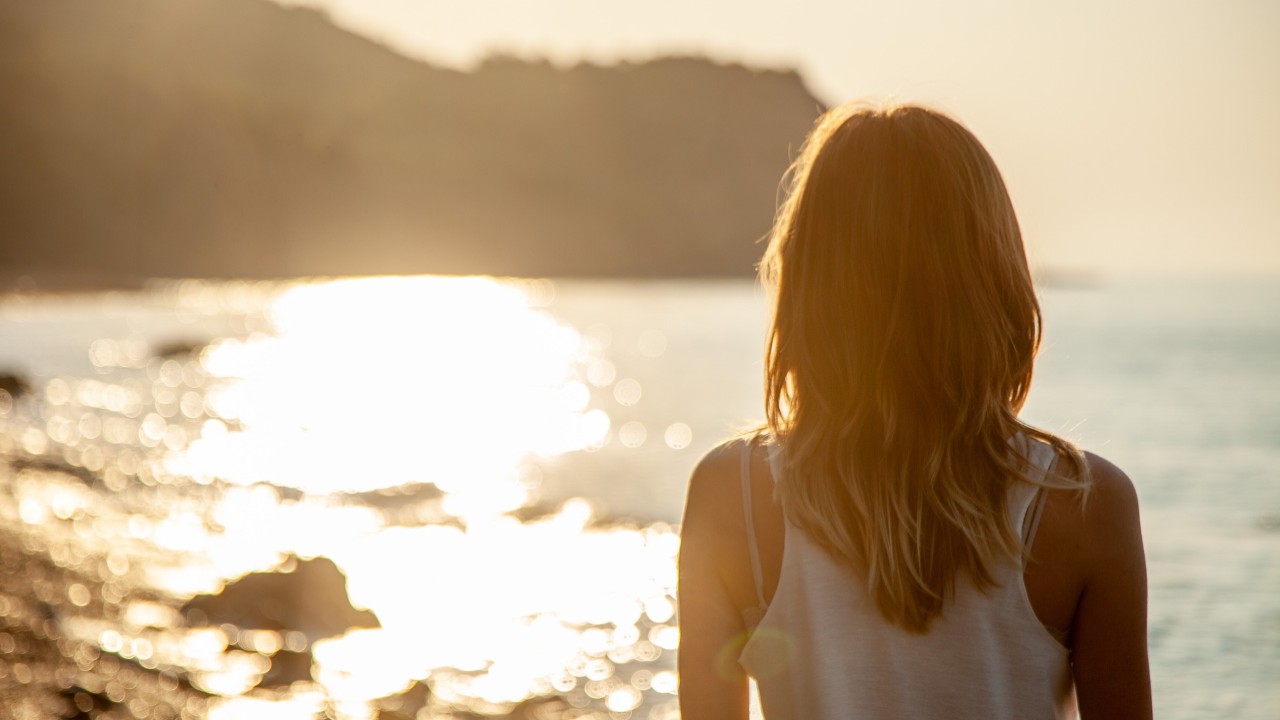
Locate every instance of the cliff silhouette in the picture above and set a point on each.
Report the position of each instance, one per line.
(239, 138)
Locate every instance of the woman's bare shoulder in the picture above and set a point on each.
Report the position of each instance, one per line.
(1111, 531)
(1081, 538)
(1089, 527)
(722, 461)
(712, 685)
(713, 500)
(1110, 499)
(1109, 655)
(1111, 486)
(1089, 584)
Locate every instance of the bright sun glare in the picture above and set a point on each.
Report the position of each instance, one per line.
(373, 383)
(391, 425)
(376, 382)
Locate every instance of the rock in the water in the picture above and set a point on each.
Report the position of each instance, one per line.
(406, 705)
(178, 349)
(287, 667)
(311, 599)
(15, 385)
(83, 704)
(539, 708)
(55, 464)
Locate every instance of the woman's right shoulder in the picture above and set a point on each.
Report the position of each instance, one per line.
(1109, 653)
(1092, 539)
(1110, 487)
(1103, 516)
(1109, 522)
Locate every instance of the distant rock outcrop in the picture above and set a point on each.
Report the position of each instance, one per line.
(240, 138)
(14, 385)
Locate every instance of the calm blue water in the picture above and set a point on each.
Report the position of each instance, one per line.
(1178, 383)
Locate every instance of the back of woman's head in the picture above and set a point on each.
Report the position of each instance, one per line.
(904, 333)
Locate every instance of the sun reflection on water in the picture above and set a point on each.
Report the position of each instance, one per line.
(378, 382)
(392, 425)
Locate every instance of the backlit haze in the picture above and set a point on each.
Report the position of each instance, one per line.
(1135, 137)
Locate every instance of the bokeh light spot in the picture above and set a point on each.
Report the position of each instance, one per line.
(78, 594)
(678, 436)
(627, 391)
(601, 373)
(632, 434)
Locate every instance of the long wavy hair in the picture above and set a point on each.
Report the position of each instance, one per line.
(905, 326)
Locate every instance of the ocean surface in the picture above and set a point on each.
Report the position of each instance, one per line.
(497, 467)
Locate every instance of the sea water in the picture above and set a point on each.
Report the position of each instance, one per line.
(498, 467)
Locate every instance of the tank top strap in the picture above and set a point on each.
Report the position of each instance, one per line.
(1031, 522)
(753, 548)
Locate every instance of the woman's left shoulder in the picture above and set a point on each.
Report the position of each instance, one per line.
(711, 558)
(713, 501)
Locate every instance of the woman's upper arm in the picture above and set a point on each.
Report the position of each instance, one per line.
(712, 684)
(1109, 648)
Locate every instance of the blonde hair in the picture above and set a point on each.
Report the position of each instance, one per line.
(905, 325)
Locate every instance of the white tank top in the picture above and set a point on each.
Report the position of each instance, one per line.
(823, 651)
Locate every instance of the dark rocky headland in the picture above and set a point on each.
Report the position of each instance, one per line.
(238, 138)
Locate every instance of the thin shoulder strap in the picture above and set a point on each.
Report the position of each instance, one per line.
(749, 516)
(1037, 507)
(1033, 518)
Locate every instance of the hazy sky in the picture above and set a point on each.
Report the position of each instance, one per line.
(1134, 135)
